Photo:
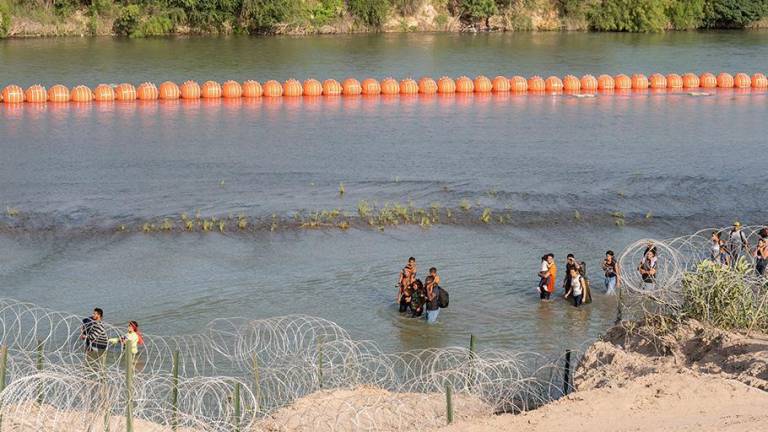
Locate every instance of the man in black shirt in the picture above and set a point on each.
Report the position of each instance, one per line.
(93, 332)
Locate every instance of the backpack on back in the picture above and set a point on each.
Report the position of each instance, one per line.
(442, 297)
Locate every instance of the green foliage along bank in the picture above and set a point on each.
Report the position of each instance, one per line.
(143, 18)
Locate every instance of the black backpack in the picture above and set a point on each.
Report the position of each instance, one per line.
(442, 297)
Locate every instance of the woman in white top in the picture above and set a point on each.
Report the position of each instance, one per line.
(715, 246)
(576, 289)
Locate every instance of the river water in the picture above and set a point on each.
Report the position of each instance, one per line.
(554, 168)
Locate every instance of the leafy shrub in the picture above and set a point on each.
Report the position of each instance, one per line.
(686, 14)
(156, 25)
(325, 11)
(474, 10)
(127, 21)
(407, 7)
(261, 16)
(371, 12)
(5, 19)
(733, 13)
(101, 7)
(628, 15)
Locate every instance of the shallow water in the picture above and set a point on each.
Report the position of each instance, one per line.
(671, 163)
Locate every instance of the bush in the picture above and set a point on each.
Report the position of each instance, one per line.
(156, 25)
(628, 16)
(325, 11)
(371, 12)
(261, 16)
(686, 14)
(475, 10)
(127, 21)
(733, 13)
(407, 7)
(5, 19)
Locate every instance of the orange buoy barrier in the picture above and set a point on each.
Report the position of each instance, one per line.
(553, 84)
(58, 94)
(81, 93)
(571, 84)
(331, 87)
(190, 90)
(427, 86)
(622, 82)
(759, 81)
(464, 85)
(389, 86)
(36, 94)
(536, 84)
(351, 87)
(657, 81)
(272, 88)
(518, 84)
(231, 89)
(605, 82)
(742, 80)
(312, 87)
(639, 81)
(500, 84)
(147, 91)
(13, 94)
(292, 88)
(707, 80)
(409, 87)
(724, 80)
(252, 89)
(482, 84)
(690, 80)
(674, 81)
(210, 90)
(370, 87)
(588, 83)
(446, 85)
(169, 91)
(103, 93)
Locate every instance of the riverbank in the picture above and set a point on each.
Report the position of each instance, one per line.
(107, 18)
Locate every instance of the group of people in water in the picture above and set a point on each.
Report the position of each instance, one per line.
(417, 298)
(576, 285)
(728, 251)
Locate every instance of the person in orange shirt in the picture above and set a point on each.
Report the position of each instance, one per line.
(551, 275)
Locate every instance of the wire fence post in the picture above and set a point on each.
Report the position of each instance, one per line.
(256, 383)
(449, 403)
(320, 360)
(128, 385)
(472, 354)
(175, 392)
(3, 368)
(237, 407)
(567, 373)
(39, 365)
(105, 392)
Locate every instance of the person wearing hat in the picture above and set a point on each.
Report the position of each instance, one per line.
(737, 242)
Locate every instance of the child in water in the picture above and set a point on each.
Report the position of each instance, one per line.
(543, 275)
(133, 335)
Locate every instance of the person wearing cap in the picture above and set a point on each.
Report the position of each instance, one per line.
(737, 242)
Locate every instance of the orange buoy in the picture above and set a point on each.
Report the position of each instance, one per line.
(312, 87)
(427, 86)
(707, 80)
(231, 89)
(639, 81)
(690, 80)
(351, 87)
(759, 81)
(518, 84)
(464, 85)
(742, 80)
(147, 91)
(674, 81)
(252, 89)
(169, 91)
(500, 84)
(724, 80)
(210, 90)
(190, 90)
(370, 86)
(446, 85)
(389, 86)
(272, 88)
(13, 94)
(103, 93)
(292, 88)
(571, 84)
(409, 87)
(553, 84)
(36, 94)
(588, 83)
(58, 94)
(622, 82)
(536, 84)
(331, 87)
(605, 82)
(482, 84)
(81, 93)
(658, 81)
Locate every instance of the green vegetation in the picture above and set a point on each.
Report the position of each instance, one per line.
(729, 298)
(161, 17)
